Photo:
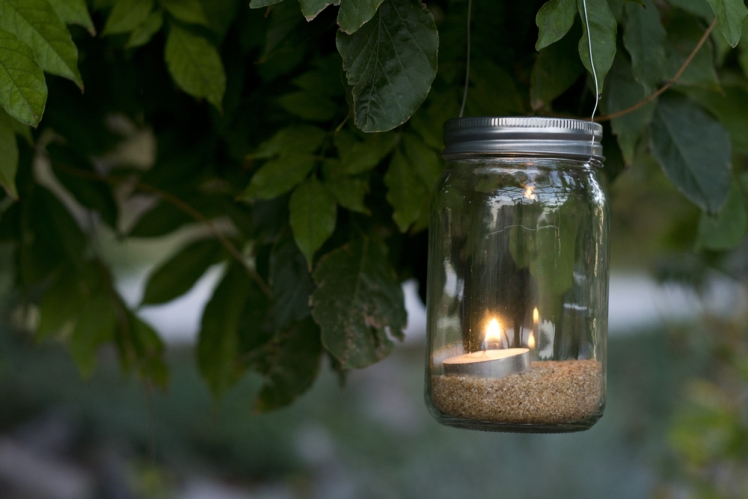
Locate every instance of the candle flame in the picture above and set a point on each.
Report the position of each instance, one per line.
(493, 332)
(529, 194)
(535, 316)
(531, 341)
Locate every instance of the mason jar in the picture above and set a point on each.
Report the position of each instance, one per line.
(518, 277)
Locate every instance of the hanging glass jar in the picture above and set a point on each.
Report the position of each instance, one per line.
(518, 277)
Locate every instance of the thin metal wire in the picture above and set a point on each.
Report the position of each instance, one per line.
(592, 62)
(467, 70)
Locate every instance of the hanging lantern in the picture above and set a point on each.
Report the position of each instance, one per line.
(518, 277)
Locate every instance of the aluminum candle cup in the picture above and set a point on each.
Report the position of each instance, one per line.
(489, 363)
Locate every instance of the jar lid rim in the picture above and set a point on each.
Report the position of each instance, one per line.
(496, 135)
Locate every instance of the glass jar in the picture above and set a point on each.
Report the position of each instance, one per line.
(518, 277)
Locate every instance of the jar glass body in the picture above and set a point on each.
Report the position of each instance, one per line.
(518, 250)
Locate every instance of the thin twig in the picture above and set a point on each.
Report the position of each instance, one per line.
(185, 208)
(667, 85)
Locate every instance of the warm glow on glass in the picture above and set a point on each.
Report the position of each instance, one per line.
(529, 194)
(535, 316)
(531, 340)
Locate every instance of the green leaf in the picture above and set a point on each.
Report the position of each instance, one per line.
(603, 28)
(291, 283)
(312, 214)
(484, 100)
(95, 326)
(258, 4)
(697, 7)
(18, 128)
(188, 11)
(729, 108)
(423, 159)
(623, 92)
(363, 156)
(325, 79)
(179, 274)
(159, 221)
(296, 139)
(74, 12)
(23, 91)
(554, 20)
(355, 13)
(294, 365)
(92, 194)
(390, 63)
(644, 38)
(743, 46)
(683, 34)
(218, 343)
(312, 8)
(727, 229)
(148, 350)
(279, 176)
(127, 15)
(730, 15)
(405, 191)
(61, 303)
(693, 150)
(195, 65)
(357, 303)
(309, 106)
(555, 70)
(35, 23)
(143, 33)
(349, 192)
(8, 159)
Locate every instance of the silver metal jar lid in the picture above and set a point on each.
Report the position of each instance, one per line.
(496, 136)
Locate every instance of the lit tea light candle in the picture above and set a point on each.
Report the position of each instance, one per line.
(491, 362)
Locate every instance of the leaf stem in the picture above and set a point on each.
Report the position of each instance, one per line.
(185, 208)
(659, 92)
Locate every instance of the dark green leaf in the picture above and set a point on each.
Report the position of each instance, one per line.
(291, 283)
(188, 11)
(603, 28)
(23, 91)
(357, 303)
(644, 38)
(259, 4)
(218, 343)
(405, 191)
(390, 63)
(309, 106)
(279, 176)
(92, 194)
(693, 150)
(148, 350)
(743, 46)
(143, 33)
(726, 230)
(159, 221)
(127, 15)
(730, 15)
(730, 108)
(294, 364)
(35, 23)
(95, 326)
(195, 65)
(424, 160)
(18, 128)
(623, 92)
(349, 192)
(355, 13)
(74, 12)
(62, 301)
(325, 79)
(484, 100)
(312, 215)
(683, 34)
(556, 69)
(554, 20)
(294, 139)
(363, 156)
(698, 7)
(312, 8)
(177, 276)
(8, 159)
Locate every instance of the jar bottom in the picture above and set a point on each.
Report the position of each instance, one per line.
(469, 424)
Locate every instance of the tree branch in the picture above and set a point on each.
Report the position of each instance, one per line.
(185, 208)
(659, 92)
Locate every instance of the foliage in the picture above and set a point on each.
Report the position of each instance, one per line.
(305, 137)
